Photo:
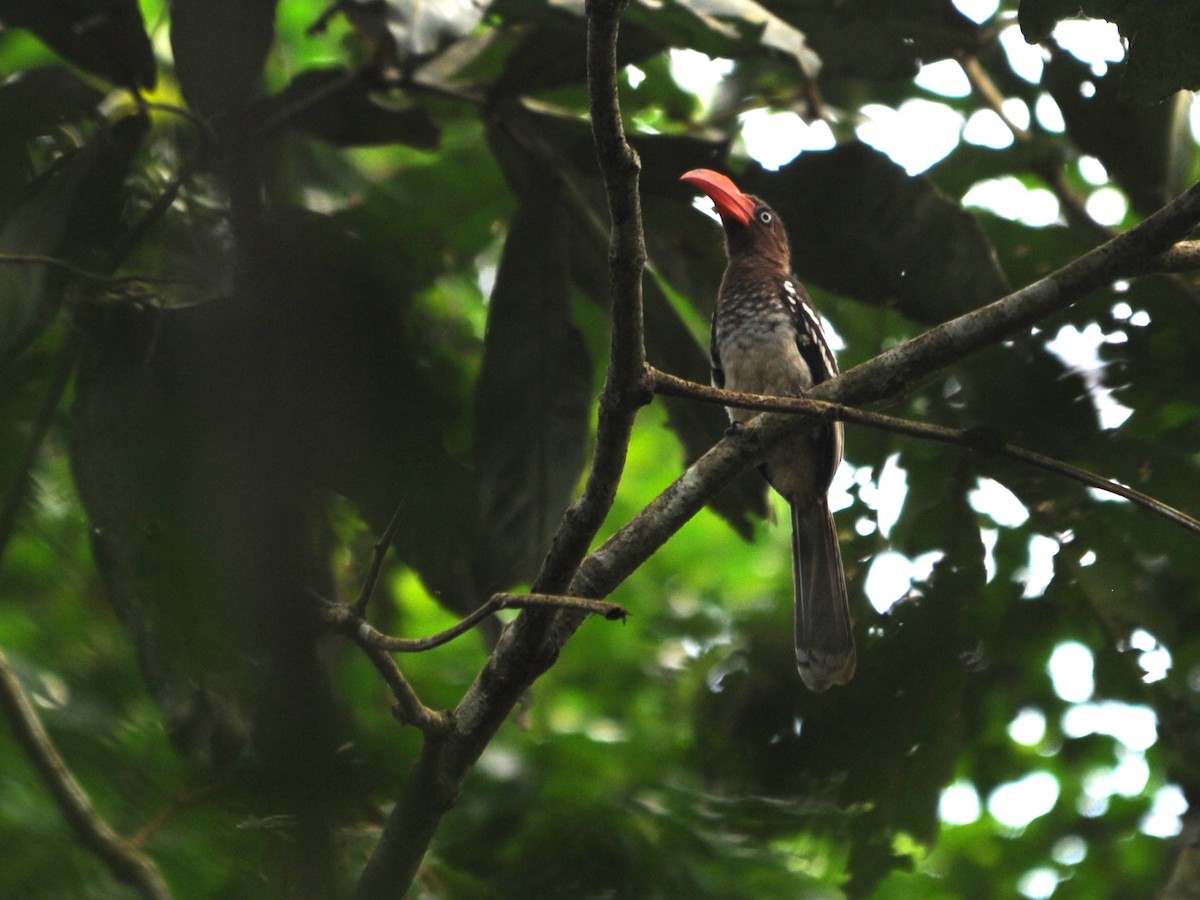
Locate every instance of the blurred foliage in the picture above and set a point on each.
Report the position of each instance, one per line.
(353, 257)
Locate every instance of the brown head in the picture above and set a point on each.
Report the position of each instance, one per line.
(752, 229)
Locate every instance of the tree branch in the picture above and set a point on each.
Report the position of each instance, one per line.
(1183, 257)
(625, 388)
(377, 557)
(887, 375)
(125, 862)
(408, 707)
(347, 622)
(1051, 171)
(531, 643)
(181, 801)
(980, 440)
(895, 371)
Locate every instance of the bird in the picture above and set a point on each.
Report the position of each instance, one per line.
(767, 338)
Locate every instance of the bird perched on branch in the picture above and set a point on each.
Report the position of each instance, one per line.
(768, 339)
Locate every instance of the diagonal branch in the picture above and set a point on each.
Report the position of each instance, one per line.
(626, 388)
(980, 440)
(378, 555)
(1051, 172)
(895, 371)
(530, 645)
(890, 374)
(123, 859)
(532, 642)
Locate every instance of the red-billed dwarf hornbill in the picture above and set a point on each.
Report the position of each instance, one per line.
(768, 339)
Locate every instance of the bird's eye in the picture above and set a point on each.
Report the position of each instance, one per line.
(764, 216)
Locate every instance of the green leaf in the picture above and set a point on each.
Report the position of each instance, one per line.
(534, 394)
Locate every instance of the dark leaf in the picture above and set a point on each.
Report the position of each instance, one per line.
(347, 110)
(1038, 17)
(36, 228)
(526, 143)
(863, 228)
(729, 28)
(1161, 38)
(368, 410)
(219, 48)
(1162, 49)
(70, 213)
(107, 37)
(880, 38)
(534, 394)
(552, 53)
(35, 100)
(204, 529)
(1151, 169)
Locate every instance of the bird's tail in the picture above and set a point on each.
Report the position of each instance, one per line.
(824, 640)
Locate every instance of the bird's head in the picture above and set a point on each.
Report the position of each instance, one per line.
(751, 227)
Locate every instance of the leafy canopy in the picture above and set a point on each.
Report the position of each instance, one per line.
(350, 258)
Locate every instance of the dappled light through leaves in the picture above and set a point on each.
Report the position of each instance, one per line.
(318, 320)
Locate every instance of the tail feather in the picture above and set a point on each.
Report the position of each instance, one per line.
(825, 651)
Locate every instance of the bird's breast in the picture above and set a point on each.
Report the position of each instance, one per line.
(759, 355)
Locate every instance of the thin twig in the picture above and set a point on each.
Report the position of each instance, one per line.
(125, 861)
(980, 440)
(494, 604)
(346, 620)
(37, 259)
(380, 554)
(158, 208)
(1051, 172)
(288, 114)
(408, 709)
(181, 801)
(378, 646)
(981, 82)
(70, 268)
